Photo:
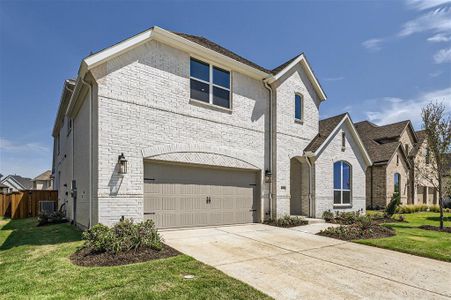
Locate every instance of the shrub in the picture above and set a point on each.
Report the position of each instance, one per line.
(287, 221)
(124, 236)
(347, 218)
(390, 210)
(377, 216)
(328, 216)
(408, 209)
(55, 217)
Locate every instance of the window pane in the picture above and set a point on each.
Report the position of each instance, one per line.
(346, 176)
(199, 90)
(346, 197)
(221, 77)
(221, 97)
(337, 197)
(199, 70)
(397, 180)
(337, 175)
(298, 107)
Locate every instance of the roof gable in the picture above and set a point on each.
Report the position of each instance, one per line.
(327, 129)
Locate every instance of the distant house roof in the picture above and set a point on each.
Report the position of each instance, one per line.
(326, 126)
(24, 182)
(44, 176)
(381, 142)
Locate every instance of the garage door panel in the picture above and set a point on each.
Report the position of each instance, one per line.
(176, 195)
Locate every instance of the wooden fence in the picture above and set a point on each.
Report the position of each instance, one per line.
(24, 204)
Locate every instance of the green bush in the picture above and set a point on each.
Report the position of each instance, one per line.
(347, 218)
(413, 208)
(124, 236)
(287, 221)
(391, 208)
(328, 216)
(55, 217)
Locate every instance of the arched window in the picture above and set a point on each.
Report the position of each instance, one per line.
(298, 107)
(397, 181)
(342, 183)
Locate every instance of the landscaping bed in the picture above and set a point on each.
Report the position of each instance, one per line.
(86, 258)
(435, 228)
(355, 232)
(287, 221)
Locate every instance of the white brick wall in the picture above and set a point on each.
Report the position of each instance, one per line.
(142, 109)
(324, 173)
(292, 136)
(144, 102)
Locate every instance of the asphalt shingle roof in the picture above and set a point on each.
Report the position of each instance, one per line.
(23, 181)
(44, 176)
(326, 126)
(380, 141)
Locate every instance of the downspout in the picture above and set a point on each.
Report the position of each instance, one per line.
(267, 86)
(371, 186)
(90, 150)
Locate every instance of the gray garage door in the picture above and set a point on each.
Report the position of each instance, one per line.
(179, 195)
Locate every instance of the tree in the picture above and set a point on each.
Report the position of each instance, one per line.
(437, 125)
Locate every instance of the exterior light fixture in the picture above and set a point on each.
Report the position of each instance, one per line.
(122, 164)
(268, 176)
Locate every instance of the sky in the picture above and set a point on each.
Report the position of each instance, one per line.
(378, 60)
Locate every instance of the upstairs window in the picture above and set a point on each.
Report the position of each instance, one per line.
(342, 183)
(407, 149)
(209, 84)
(343, 140)
(397, 182)
(428, 155)
(298, 107)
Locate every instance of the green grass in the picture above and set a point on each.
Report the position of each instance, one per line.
(411, 239)
(34, 263)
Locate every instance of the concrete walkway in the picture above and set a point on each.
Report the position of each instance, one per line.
(295, 264)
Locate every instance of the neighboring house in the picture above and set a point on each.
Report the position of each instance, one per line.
(424, 183)
(17, 183)
(4, 189)
(176, 128)
(395, 150)
(43, 181)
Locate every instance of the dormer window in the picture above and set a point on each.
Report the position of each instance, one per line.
(298, 107)
(209, 84)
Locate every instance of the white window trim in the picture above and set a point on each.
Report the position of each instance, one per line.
(301, 120)
(341, 184)
(211, 84)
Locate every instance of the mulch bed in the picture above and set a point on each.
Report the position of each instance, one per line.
(354, 232)
(85, 258)
(436, 228)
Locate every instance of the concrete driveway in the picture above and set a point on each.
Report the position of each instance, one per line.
(296, 264)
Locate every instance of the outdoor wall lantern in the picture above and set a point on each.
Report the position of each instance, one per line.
(122, 164)
(268, 176)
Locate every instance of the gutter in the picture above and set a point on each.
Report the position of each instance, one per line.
(90, 149)
(268, 87)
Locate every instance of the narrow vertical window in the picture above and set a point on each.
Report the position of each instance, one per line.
(343, 140)
(407, 149)
(298, 107)
(397, 159)
(342, 183)
(428, 155)
(397, 182)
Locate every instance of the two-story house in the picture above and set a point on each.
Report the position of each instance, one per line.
(176, 128)
(397, 151)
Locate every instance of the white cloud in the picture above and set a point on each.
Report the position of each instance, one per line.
(443, 56)
(373, 45)
(338, 78)
(397, 109)
(425, 4)
(438, 38)
(435, 74)
(437, 21)
(10, 146)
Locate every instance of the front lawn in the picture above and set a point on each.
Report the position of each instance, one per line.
(34, 263)
(411, 239)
